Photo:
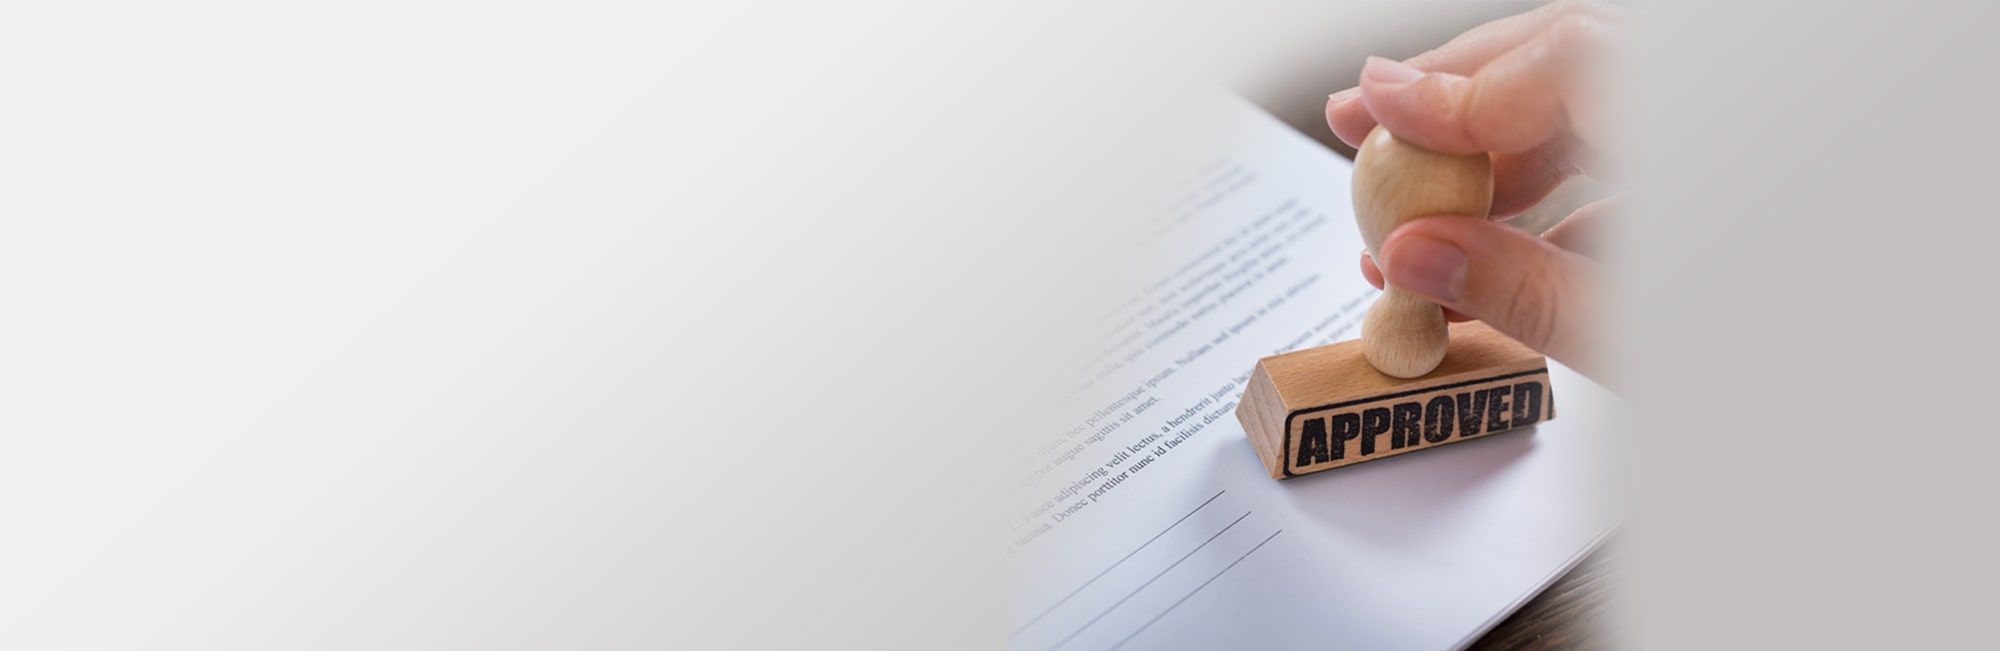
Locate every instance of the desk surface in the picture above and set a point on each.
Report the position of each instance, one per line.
(1571, 614)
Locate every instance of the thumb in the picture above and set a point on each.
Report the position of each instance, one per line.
(1520, 284)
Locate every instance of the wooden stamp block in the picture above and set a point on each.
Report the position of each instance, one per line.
(1327, 407)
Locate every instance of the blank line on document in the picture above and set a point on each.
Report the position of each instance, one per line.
(1100, 575)
(1072, 634)
(1204, 584)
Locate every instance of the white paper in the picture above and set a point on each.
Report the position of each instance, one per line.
(1194, 546)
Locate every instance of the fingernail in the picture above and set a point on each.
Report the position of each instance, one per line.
(1344, 95)
(1389, 71)
(1426, 266)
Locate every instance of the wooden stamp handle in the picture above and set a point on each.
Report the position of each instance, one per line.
(1404, 335)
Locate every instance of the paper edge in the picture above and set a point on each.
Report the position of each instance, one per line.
(1540, 587)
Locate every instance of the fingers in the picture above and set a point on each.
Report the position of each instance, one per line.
(1514, 103)
(1582, 230)
(1348, 116)
(1374, 276)
(1522, 180)
(1467, 52)
(1505, 89)
(1369, 271)
(1463, 55)
(1522, 285)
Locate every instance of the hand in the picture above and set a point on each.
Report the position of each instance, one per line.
(1512, 89)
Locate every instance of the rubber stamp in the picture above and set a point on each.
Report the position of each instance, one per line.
(1411, 382)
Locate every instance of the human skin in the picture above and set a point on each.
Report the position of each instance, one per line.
(1513, 89)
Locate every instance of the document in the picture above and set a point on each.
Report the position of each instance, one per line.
(1144, 520)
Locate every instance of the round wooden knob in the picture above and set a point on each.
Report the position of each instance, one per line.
(1404, 335)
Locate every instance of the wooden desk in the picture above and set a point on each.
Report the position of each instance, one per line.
(1572, 614)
